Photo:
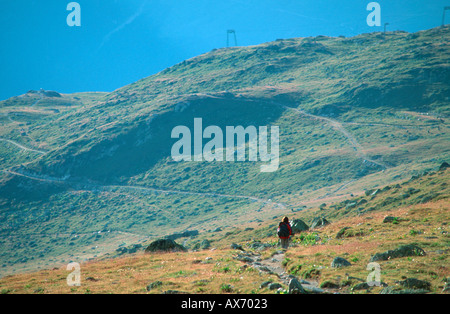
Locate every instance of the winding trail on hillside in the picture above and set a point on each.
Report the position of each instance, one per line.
(41, 96)
(22, 147)
(336, 190)
(339, 127)
(91, 186)
(9, 117)
(333, 123)
(336, 125)
(205, 194)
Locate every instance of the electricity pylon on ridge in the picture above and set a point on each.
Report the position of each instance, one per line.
(231, 31)
(443, 15)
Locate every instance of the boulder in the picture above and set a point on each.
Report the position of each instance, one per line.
(295, 287)
(165, 245)
(235, 246)
(319, 222)
(390, 219)
(298, 226)
(402, 251)
(340, 262)
(413, 283)
(361, 286)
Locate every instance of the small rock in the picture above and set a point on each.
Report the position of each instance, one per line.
(329, 284)
(361, 286)
(265, 269)
(390, 219)
(244, 259)
(319, 222)
(414, 283)
(274, 286)
(340, 262)
(235, 246)
(265, 284)
(295, 287)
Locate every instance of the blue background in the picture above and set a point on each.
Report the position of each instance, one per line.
(122, 41)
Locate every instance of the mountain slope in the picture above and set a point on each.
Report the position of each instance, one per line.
(353, 113)
(414, 212)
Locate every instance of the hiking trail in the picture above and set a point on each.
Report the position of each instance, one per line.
(139, 188)
(22, 147)
(274, 265)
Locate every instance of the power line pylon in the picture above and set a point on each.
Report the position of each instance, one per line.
(443, 15)
(231, 31)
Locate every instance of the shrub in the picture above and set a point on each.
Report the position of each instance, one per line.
(226, 288)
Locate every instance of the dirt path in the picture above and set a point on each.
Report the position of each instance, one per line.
(274, 265)
(22, 147)
(38, 100)
(205, 194)
(139, 188)
(336, 125)
(339, 127)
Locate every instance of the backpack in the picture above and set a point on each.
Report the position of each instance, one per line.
(283, 230)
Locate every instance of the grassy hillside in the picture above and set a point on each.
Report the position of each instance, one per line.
(354, 234)
(86, 173)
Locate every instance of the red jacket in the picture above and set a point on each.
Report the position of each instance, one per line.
(289, 227)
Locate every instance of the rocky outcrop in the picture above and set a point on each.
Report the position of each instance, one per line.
(298, 226)
(340, 262)
(402, 251)
(318, 222)
(164, 245)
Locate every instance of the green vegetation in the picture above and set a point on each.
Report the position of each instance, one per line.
(85, 174)
(411, 253)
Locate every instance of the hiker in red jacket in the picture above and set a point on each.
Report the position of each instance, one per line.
(284, 232)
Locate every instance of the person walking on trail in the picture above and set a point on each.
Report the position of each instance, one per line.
(284, 232)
